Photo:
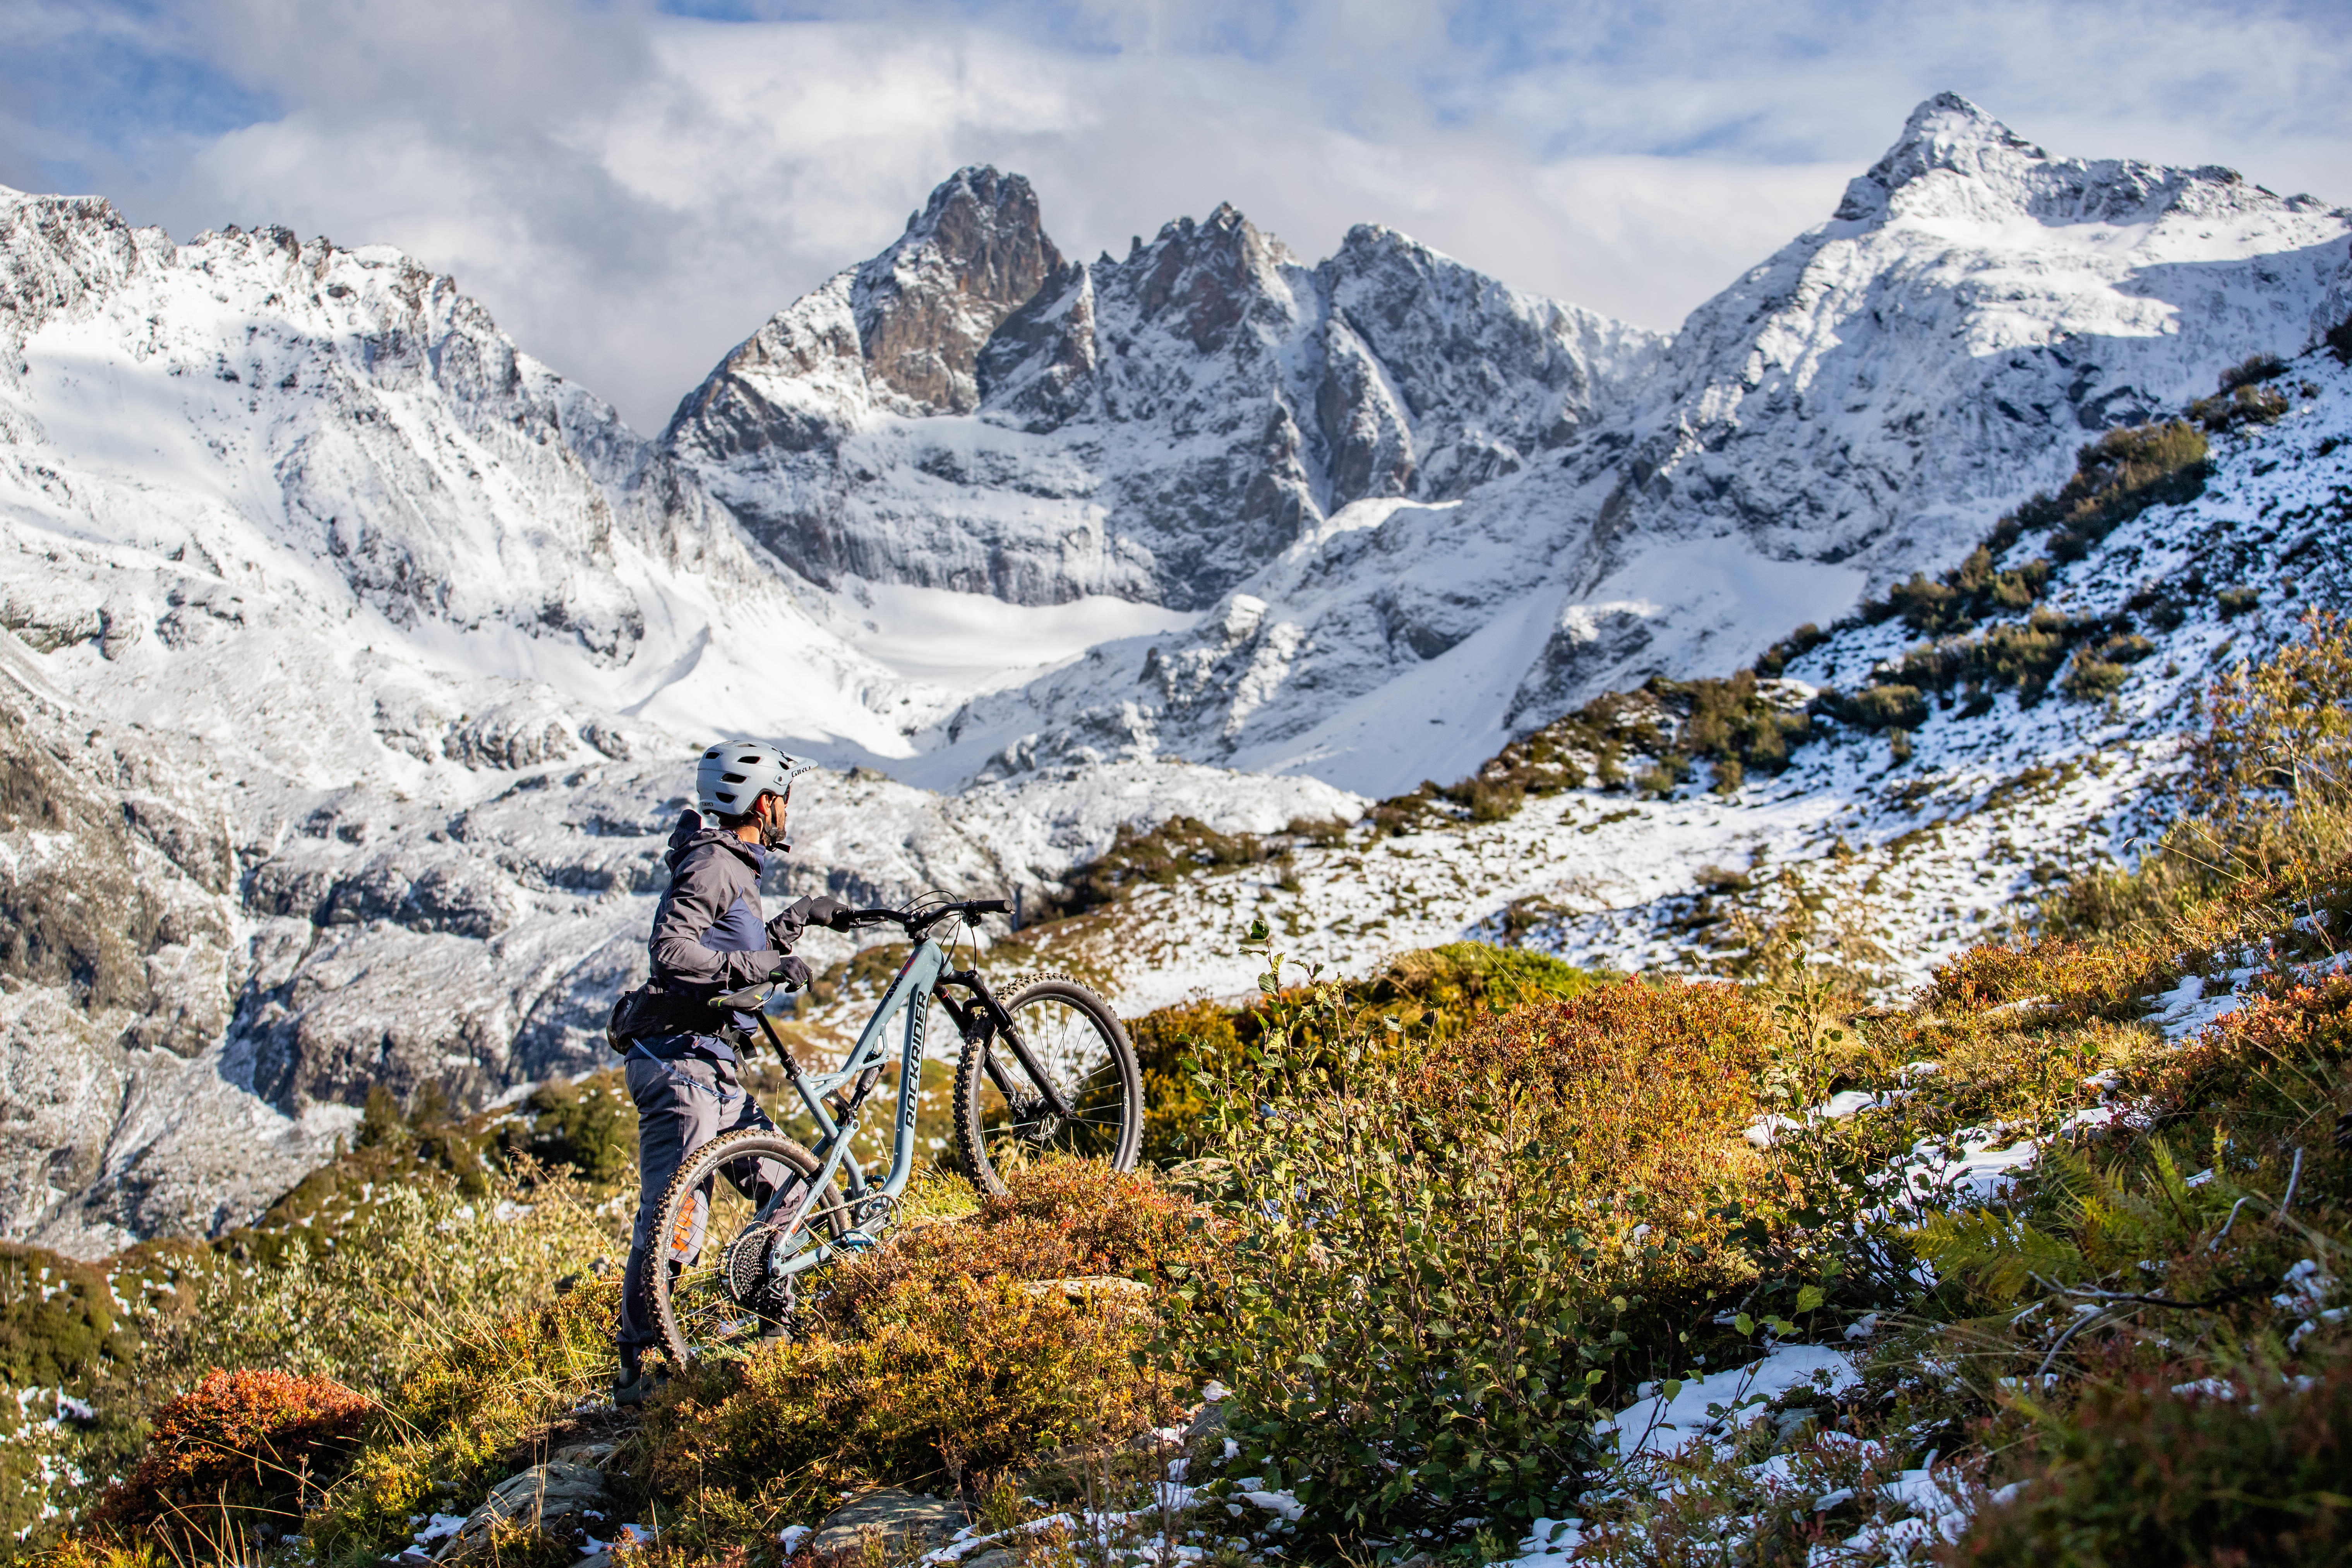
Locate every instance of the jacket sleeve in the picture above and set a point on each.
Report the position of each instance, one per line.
(698, 896)
(801, 914)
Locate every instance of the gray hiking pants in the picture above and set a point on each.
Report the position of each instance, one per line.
(682, 1104)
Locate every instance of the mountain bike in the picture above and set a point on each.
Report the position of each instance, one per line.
(1045, 1070)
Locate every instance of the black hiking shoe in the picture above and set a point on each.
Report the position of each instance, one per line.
(636, 1389)
(632, 1385)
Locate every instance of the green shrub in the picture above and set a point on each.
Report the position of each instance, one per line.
(1795, 646)
(1433, 991)
(2244, 404)
(2253, 368)
(2092, 678)
(1159, 855)
(1442, 1262)
(589, 1126)
(1890, 707)
(2121, 475)
(477, 1397)
(2234, 602)
(383, 1274)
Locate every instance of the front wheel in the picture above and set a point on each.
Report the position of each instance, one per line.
(712, 1293)
(1002, 1115)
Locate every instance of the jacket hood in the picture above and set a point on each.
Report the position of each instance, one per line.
(694, 831)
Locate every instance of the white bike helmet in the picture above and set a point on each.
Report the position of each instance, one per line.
(734, 775)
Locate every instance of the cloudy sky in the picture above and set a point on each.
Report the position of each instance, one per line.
(633, 187)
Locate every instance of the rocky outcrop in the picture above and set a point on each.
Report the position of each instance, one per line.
(1156, 428)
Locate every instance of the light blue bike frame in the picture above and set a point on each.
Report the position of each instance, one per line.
(911, 991)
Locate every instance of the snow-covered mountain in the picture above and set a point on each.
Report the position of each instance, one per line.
(354, 667)
(1892, 852)
(969, 411)
(1859, 407)
(352, 656)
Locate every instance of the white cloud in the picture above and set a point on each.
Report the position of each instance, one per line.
(632, 193)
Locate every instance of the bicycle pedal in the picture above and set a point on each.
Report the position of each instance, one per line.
(855, 1241)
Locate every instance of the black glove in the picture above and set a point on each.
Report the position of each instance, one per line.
(825, 911)
(793, 973)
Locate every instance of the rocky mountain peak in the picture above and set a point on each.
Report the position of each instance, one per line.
(976, 253)
(1200, 280)
(1946, 132)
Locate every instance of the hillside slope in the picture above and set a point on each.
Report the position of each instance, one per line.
(1960, 775)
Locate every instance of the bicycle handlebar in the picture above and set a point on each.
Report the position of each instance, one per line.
(913, 921)
(917, 920)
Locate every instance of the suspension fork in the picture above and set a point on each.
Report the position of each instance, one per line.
(985, 1014)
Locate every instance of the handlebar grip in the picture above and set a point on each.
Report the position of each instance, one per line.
(872, 917)
(989, 907)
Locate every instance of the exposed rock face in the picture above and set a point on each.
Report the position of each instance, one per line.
(1156, 428)
(925, 307)
(340, 710)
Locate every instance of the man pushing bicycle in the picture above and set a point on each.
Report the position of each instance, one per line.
(684, 1062)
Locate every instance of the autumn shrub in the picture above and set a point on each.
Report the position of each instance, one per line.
(2059, 980)
(1448, 1257)
(1642, 1082)
(243, 1453)
(953, 1353)
(2155, 1472)
(1438, 992)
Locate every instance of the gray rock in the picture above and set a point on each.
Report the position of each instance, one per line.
(591, 1454)
(547, 1496)
(893, 1514)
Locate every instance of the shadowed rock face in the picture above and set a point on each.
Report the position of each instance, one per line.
(973, 256)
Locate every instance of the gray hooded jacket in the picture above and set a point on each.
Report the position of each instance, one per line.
(708, 934)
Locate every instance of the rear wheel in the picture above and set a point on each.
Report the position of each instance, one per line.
(709, 1273)
(1002, 1115)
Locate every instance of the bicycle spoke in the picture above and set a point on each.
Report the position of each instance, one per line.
(1005, 1114)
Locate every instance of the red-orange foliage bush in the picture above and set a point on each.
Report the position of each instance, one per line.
(941, 1355)
(242, 1450)
(2244, 1056)
(2140, 1475)
(1064, 1219)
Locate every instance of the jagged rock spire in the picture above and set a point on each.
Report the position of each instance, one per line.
(975, 254)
